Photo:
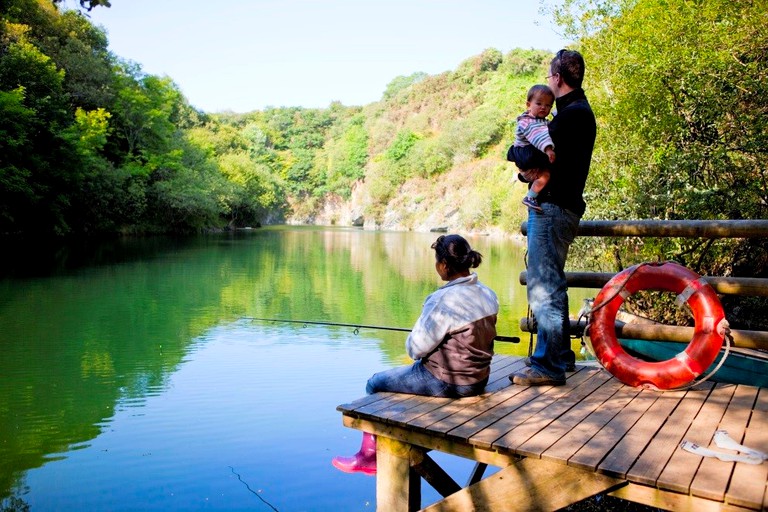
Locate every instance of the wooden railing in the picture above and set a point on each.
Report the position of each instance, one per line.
(745, 286)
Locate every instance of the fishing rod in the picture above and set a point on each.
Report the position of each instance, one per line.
(357, 327)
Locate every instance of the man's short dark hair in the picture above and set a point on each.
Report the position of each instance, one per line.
(569, 64)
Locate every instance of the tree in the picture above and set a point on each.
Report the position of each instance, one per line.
(683, 131)
(145, 108)
(38, 98)
(80, 49)
(345, 157)
(89, 4)
(16, 192)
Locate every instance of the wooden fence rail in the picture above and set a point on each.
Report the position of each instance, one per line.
(726, 285)
(753, 286)
(672, 228)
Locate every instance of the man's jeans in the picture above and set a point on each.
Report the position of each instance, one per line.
(550, 234)
(417, 380)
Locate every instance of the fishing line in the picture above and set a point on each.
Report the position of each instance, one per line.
(252, 491)
(357, 327)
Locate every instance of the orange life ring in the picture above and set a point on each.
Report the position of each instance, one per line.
(682, 369)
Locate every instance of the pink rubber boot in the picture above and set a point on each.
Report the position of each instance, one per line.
(363, 461)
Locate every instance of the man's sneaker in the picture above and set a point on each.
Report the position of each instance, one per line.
(532, 203)
(531, 377)
(569, 367)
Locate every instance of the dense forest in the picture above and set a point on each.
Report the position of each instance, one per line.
(90, 144)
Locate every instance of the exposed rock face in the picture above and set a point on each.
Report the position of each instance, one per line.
(451, 202)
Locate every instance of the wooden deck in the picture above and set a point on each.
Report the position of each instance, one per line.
(559, 445)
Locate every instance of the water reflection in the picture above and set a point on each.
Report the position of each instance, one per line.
(130, 380)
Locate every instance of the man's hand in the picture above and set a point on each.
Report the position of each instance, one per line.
(530, 175)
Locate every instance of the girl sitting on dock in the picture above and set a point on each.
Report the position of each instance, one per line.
(451, 343)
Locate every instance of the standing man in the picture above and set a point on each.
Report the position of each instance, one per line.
(551, 231)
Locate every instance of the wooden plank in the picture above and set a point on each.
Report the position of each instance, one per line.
(569, 421)
(667, 439)
(572, 441)
(711, 480)
(499, 378)
(487, 402)
(512, 399)
(404, 407)
(436, 415)
(360, 402)
(468, 406)
(665, 500)
(493, 424)
(527, 485)
(593, 452)
(401, 408)
(742, 490)
(424, 407)
(628, 448)
(515, 437)
(387, 402)
(430, 442)
(398, 487)
(501, 364)
(681, 468)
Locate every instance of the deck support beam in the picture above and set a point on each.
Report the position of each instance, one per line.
(531, 484)
(433, 474)
(398, 486)
(667, 500)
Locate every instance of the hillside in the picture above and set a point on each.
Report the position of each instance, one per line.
(435, 152)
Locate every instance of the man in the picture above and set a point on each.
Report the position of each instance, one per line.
(551, 231)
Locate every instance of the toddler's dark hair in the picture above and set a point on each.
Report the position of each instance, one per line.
(540, 89)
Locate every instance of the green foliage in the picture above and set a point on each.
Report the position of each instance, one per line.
(477, 69)
(90, 131)
(688, 126)
(36, 165)
(402, 82)
(144, 110)
(345, 157)
(91, 144)
(80, 48)
(398, 150)
(683, 128)
(481, 129)
(24, 65)
(15, 188)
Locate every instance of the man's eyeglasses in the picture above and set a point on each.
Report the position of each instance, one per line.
(558, 55)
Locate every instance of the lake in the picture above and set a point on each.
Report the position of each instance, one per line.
(135, 375)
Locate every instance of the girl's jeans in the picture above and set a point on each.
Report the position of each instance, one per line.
(416, 380)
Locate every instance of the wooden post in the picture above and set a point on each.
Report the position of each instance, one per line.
(398, 487)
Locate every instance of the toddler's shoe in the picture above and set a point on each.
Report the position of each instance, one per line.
(532, 203)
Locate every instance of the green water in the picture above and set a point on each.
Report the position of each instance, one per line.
(132, 378)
